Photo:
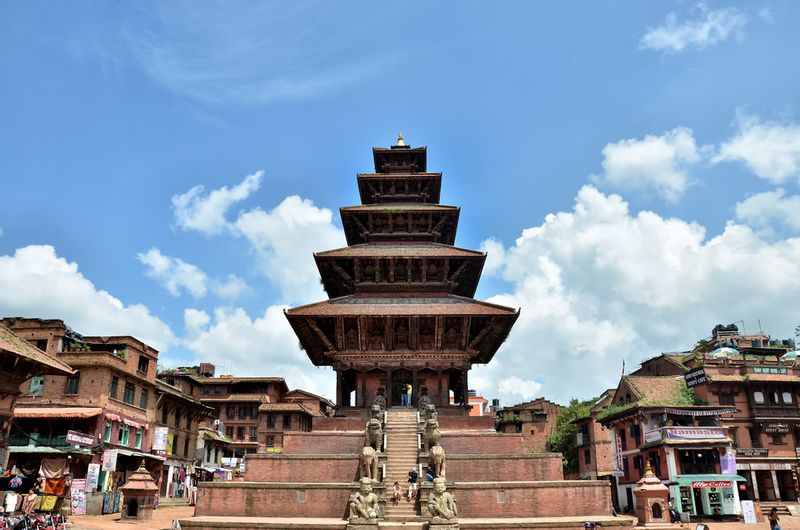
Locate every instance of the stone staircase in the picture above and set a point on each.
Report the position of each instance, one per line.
(401, 455)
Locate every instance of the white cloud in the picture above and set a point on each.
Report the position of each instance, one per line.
(526, 389)
(195, 210)
(658, 163)
(230, 288)
(765, 210)
(766, 14)
(599, 284)
(264, 346)
(36, 282)
(771, 150)
(174, 274)
(285, 238)
(709, 27)
(257, 54)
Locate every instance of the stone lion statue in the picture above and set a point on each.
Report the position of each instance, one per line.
(376, 412)
(369, 463)
(364, 504)
(373, 434)
(441, 503)
(431, 436)
(437, 460)
(422, 403)
(430, 412)
(380, 401)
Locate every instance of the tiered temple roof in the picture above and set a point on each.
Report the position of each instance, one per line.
(401, 293)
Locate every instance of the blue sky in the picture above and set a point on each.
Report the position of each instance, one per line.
(632, 167)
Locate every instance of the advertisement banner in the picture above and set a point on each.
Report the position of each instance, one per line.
(160, 438)
(170, 439)
(92, 476)
(695, 377)
(711, 484)
(79, 438)
(78, 493)
(694, 433)
(110, 460)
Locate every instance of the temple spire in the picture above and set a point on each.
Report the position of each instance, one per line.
(400, 142)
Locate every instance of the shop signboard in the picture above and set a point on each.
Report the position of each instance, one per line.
(160, 438)
(695, 377)
(92, 476)
(620, 458)
(750, 452)
(78, 494)
(749, 512)
(652, 436)
(776, 428)
(110, 460)
(700, 484)
(79, 438)
(695, 433)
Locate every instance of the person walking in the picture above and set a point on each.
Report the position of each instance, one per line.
(774, 519)
(412, 484)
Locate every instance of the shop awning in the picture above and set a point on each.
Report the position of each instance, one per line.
(127, 452)
(57, 412)
(41, 450)
(709, 481)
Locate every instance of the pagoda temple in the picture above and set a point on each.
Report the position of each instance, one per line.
(401, 308)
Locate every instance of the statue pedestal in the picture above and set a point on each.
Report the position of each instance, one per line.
(442, 524)
(363, 524)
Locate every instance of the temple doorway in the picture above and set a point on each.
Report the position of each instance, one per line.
(400, 378)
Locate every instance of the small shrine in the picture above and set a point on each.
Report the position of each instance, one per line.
(139, 496)
(652, 501)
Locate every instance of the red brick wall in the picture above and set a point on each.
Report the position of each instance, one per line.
(482, 468)
(454, 423)
(548, 499)
(300, 468)
(482, 443)
(325, 443)
(260, 499)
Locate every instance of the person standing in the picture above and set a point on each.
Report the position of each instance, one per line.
(408, 399)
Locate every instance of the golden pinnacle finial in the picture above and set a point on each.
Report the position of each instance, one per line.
(648, 471)
(400, 142)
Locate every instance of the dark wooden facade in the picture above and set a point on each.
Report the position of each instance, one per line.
(401, 308)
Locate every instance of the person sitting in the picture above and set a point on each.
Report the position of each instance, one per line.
(430, 474)
(396, 493)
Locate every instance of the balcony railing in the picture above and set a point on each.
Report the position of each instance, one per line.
(776, 411)
(686, 434)
(18, 440)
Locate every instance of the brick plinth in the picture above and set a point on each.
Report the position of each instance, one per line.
(302, 468)
(269, 499)
(460, 442)
(504, 467)
(324, 443)
(532, 499)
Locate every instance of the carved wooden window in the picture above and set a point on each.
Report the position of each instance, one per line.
(376, 334)
(401, 270)
(452, 333)
(427, 328)
(351, 334)
(368, 271)
(401, 333)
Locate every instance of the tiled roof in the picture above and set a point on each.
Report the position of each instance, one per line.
(234, 397)
(788, 378)
(658, 389)
(360, 305)
(288, 407)
(13, 343)
(225, 380)
(392, 251)
(307, 393)
(400, 207)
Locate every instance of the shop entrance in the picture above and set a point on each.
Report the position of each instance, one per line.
(698, 501)
(766, 490)
(786, 485)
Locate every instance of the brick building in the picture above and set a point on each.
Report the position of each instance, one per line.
(536, 420)
(107, 401)
(594, 442)
(176, 428)
(655, 421)
(252, 412)
(19, 360)
(758, 376)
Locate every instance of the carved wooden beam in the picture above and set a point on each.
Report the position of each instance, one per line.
(479, 337)
(328, 344)
(342, 272)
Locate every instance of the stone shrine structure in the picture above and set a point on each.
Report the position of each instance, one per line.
(401, 313)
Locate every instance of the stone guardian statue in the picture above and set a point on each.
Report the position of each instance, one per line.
(442, 504)
(364, 504)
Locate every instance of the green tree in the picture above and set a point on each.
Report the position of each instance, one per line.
(563, 438)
